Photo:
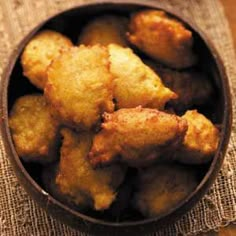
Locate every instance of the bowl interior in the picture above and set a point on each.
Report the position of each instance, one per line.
(70, 24)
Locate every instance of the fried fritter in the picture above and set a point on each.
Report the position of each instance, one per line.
(79, 87)
(39, 53)
(77, 176)
(137, 136)
(163, 38)
(135, 83)
(49, 174)
(191, 86)
(201, 140)
(34, 131)
(104, 30)
(163, 187)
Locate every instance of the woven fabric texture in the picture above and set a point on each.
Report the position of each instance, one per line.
(19, 215)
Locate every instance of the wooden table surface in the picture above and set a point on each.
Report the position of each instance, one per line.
(230, 10)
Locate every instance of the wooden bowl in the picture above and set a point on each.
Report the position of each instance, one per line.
(14, 85)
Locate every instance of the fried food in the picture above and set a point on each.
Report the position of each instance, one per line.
(201, 140)
(162, 187)
(49, 174)
(104, 30)
(163, 38)
(191, 86)
(136, 136)
(34, 131)
(39, 53)
(76, 176)
(79, 87)
(135, 83)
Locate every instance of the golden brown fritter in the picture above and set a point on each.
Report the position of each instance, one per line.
(162, 37)
(104, 30)
(135, 83)
(34, 131)
(49, 174)
(39, 53)
(191, 86)
(201, 140)
(79, 87)
(77, 176)
(137, 136)
(162, 188)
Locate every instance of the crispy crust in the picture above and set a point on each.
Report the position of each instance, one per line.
(40, 52)
(79, 87)
(135, 84)
(162, 37)
(104, 30)
(76, 175)
(201, 140)
(137, 136)
(49, 173)
(191, 86)
(163, 187)
(34, 131)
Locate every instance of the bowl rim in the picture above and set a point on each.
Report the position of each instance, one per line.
(215, 165)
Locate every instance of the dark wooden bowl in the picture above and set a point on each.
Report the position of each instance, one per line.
(14, 85)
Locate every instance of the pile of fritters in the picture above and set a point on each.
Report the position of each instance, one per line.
(116, 102)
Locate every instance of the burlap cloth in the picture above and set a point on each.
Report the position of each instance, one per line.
(19, 215)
